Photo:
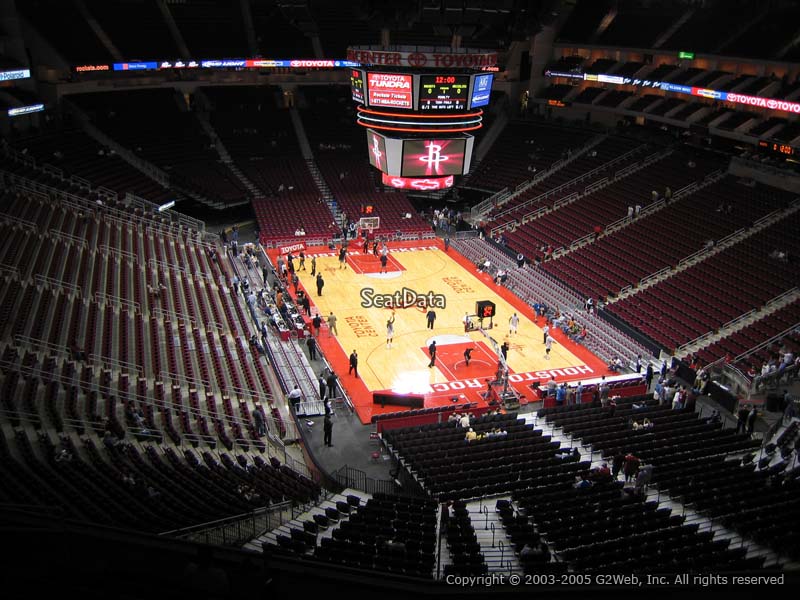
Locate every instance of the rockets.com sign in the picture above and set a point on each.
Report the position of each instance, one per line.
(391, 90)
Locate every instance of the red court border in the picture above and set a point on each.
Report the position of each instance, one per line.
(361, 396)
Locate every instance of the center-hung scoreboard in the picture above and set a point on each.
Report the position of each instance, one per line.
(417, 124)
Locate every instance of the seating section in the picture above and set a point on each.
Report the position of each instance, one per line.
(614, 98)
(603, 268)
(462, 543)
(588, 95)
(483, 467)
(601, 66)
(752, 336)
(142, 280)
(524, 144)
(279, 218)
(149, 490)
(389, 533)
(157, 125)
(689, 461)
(667, 106)
(630, 68)
(604, 530)
(715, 290)
(752, 502)
(644, 101)
(609, 204)
(602, 161)
(74, 152)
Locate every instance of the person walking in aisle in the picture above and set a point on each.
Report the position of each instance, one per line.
(353, 363)
(327, 428)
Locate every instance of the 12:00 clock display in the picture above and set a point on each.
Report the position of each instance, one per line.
(443, 92)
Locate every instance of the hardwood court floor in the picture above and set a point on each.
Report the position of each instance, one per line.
(422, 268)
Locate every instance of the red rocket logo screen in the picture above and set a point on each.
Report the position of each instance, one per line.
(376, 149)
(425, 158)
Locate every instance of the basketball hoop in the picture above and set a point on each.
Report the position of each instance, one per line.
(369, 224)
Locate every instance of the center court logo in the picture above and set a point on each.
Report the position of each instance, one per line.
(404, 298)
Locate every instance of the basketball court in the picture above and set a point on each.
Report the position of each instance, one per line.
(419, 274)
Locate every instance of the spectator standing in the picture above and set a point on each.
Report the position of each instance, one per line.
(630, 467)
(332, 325)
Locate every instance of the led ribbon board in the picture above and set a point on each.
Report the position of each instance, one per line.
(24, 110)
(756, 101)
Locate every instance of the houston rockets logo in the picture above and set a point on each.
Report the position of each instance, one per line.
(376, 152)
(434, 158)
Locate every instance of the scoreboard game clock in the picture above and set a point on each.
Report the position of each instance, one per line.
(776, 148)
(443, 92)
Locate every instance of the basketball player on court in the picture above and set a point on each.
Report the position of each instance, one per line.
(390, 331)
(513, 323)
(548, 344)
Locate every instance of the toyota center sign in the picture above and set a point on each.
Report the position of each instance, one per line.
(423, 60)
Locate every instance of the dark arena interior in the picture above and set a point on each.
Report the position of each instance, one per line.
(410, 297)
